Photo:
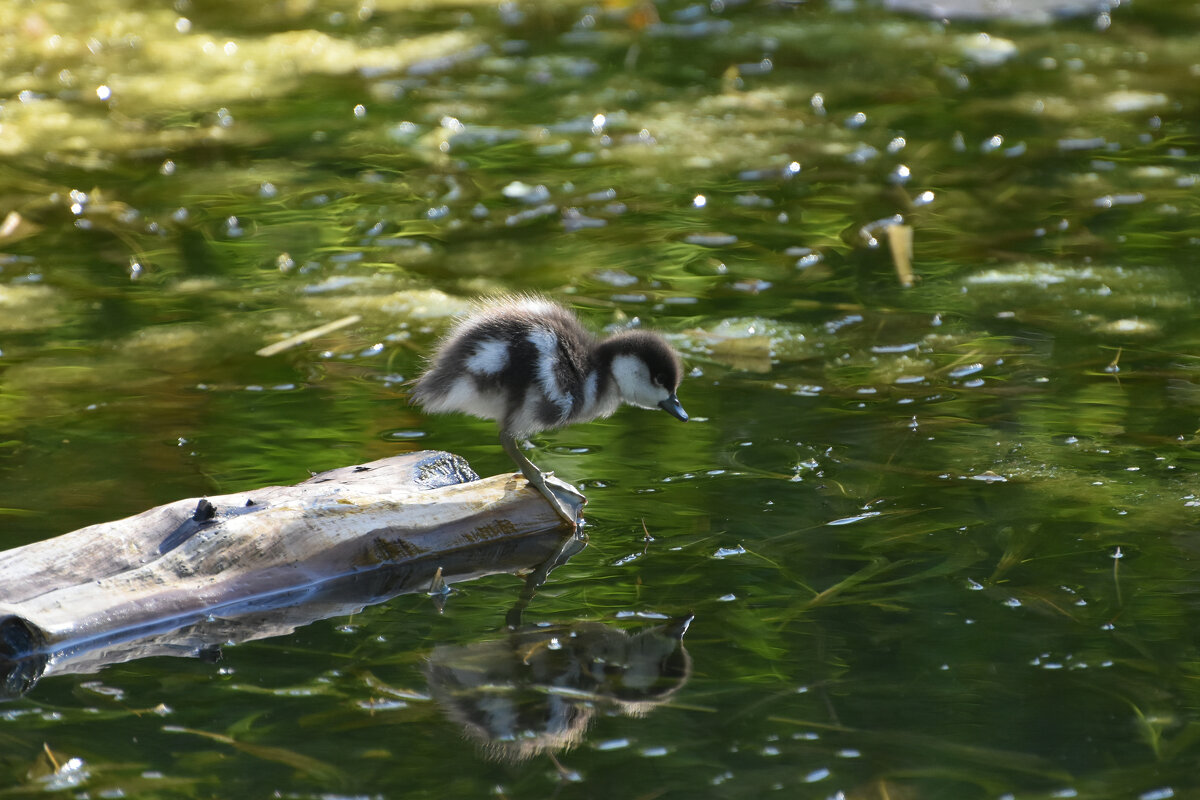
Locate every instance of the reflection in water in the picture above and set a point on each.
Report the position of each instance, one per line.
(537, 689)
(533, 691)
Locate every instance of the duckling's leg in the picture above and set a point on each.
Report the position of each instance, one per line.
(567, 509)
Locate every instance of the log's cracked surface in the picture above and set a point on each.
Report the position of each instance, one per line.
(380, 526)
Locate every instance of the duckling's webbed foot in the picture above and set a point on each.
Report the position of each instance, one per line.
(565, 498)
(562, 487)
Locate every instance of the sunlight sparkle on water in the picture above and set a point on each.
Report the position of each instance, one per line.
(1165, 793)
(71, 774)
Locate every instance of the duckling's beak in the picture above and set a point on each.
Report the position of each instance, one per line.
(672, 407)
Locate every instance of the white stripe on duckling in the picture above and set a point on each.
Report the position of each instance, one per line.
(547, 346)
(490, 357)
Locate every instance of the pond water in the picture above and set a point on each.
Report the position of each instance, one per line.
(935, 540)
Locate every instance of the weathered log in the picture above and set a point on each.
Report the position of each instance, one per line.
(344, 536)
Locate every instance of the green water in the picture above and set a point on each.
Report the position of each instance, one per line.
(938, 541)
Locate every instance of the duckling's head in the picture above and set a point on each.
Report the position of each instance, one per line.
(647, 371)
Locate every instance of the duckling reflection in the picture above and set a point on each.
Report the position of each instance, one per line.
(530, 365)
(537, 690)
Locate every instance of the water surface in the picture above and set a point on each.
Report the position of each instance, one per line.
(938, 540)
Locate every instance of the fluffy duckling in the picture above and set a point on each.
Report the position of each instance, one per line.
(529, 364)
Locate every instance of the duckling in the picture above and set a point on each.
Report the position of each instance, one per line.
(529, 364)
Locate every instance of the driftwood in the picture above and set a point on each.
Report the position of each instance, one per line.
(190, 574)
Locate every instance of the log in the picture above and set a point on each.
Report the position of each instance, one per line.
(189, 574)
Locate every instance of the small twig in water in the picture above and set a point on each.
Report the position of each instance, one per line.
(50, 755)
(308, 335)
(1117, 556)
